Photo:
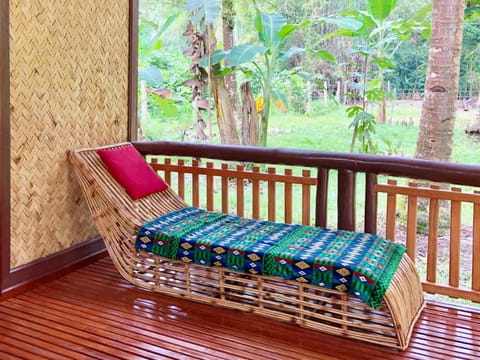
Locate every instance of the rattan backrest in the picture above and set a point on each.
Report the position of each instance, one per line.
(104, 193)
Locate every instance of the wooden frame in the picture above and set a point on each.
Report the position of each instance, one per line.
(4, 143)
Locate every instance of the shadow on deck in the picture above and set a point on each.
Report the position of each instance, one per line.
(93, 313)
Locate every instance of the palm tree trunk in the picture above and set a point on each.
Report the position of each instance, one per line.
(438, 113)
(228, 24)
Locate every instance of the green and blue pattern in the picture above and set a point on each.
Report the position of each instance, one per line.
(360, 264)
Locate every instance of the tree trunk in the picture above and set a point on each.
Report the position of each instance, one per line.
(228, 24)
(224, 109)
(441, 86)
(249, 116)
(435, 138)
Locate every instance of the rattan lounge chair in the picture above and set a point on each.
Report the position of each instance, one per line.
(117, 217)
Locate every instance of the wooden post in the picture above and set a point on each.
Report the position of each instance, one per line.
(306, 199)
(322, 195)
(371, 200)
(346, 200)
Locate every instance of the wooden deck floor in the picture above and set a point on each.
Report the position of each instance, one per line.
(93, 314)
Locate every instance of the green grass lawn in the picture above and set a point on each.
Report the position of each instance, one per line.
(328, 130)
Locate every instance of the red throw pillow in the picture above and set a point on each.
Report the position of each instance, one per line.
(130, 169)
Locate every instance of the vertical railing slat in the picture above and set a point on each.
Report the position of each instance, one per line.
(391, 213)
(371, 200)
(321, 198)
(167, 174)
(195, 185)
(271, 196)
(432, 246)
(240, 193)
(412, 205)
(455, 231)
(256, 195)
(181, 180)
(225, 190)
(288, 208)
(210, 188)
(306, 199)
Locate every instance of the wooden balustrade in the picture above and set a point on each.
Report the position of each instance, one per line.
(289, 196)
(204, 180)
(458, 228)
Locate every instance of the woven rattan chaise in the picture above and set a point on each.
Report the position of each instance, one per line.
(117, 218)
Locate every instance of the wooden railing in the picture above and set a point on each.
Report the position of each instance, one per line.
(244, 180)
(439, 205)
(206, 180)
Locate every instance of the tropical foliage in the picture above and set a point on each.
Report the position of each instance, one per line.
(292, 53)
(378, 40)
(262, 61)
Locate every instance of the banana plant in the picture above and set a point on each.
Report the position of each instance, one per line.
(261, 61)
(378, 40)
(202, 42)
(205, 11)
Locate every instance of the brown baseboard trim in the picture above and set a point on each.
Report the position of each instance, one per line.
(25, 277)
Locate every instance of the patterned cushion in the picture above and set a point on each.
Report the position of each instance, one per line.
(129, 168)
(357, 263)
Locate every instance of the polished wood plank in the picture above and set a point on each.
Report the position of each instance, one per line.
(9, 356)
(93, 313)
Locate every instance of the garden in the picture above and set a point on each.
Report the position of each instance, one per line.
(325, 91)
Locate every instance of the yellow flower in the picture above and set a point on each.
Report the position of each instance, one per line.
(259, 104)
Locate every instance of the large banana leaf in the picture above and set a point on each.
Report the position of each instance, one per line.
(208, 10)
(216, 57)
(167, 106)
(325, 55)
(381, 9)
(268, 27)
(152, 75)
(244, 53)
(294, 50)
(347, 23)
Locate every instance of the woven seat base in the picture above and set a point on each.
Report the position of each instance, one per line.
(309, 306)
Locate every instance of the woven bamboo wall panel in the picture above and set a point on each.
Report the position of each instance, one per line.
(69, 89)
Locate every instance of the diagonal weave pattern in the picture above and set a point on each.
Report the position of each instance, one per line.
(69, 88)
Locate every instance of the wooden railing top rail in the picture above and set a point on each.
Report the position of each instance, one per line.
(460, 174)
